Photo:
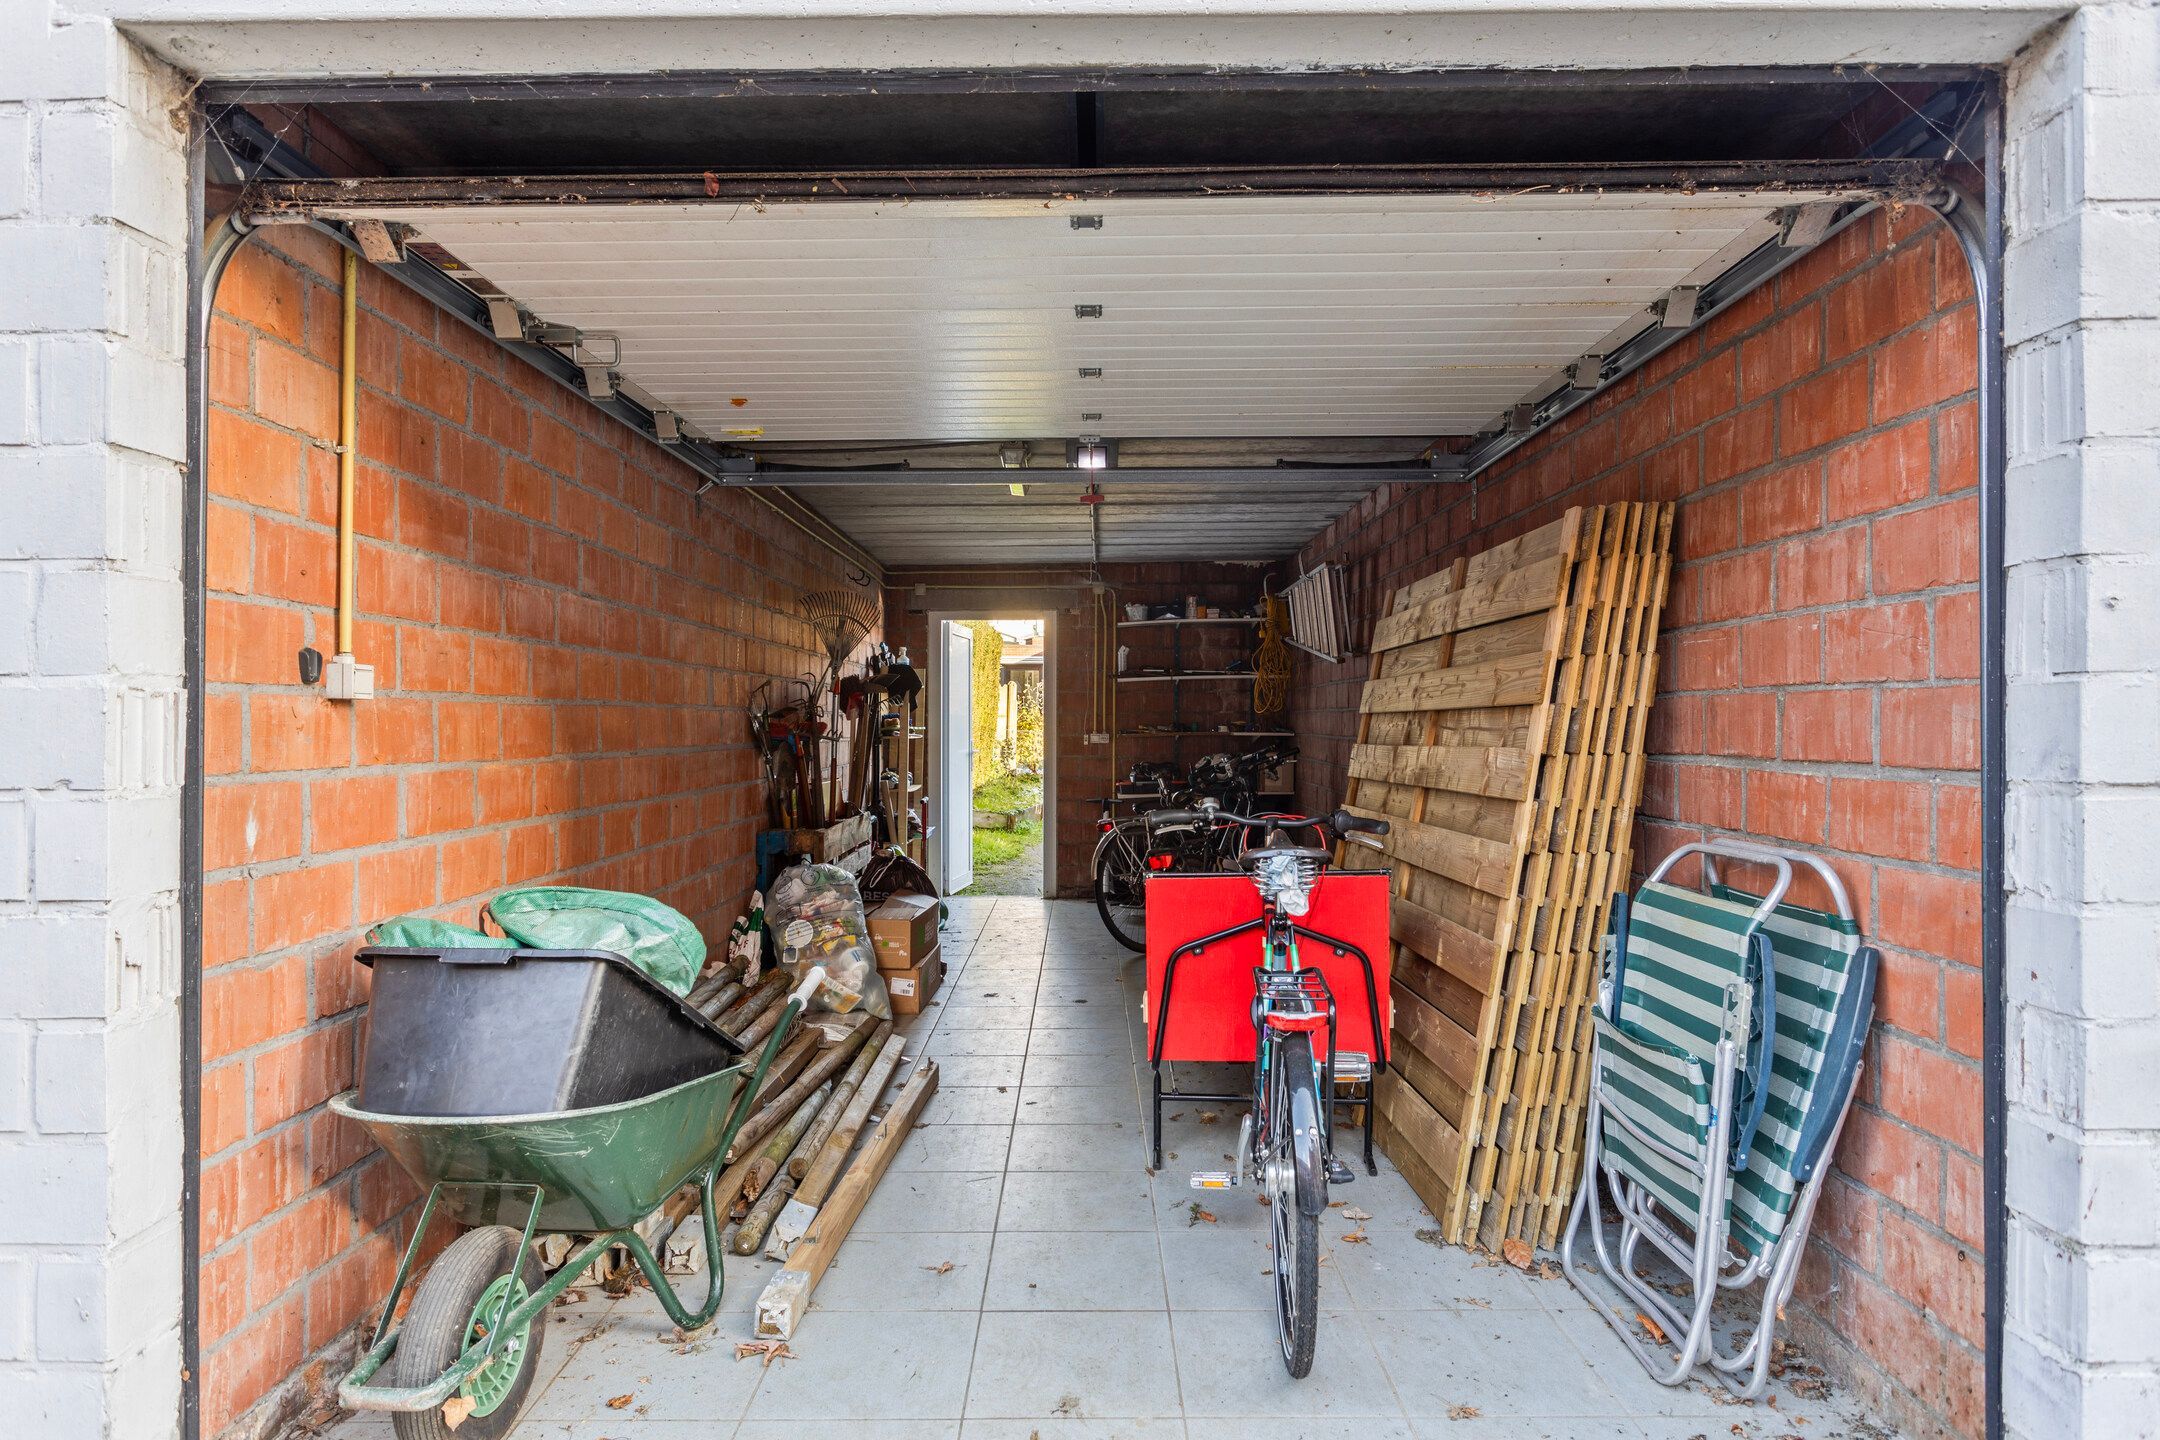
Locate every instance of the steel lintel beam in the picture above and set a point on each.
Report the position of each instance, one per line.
(1916, 180)
(729, 85)
(1293, 477)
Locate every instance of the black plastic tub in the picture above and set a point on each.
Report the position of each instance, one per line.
(524, 1032)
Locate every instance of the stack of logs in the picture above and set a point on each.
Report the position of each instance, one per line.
(798, 1148)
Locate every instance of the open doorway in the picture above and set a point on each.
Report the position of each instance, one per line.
(993, 713)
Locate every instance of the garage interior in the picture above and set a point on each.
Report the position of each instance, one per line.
(1058, 344)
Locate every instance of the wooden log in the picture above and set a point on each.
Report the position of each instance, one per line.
(824, 1168)
(767, 992)
(717, 1001)
(814, 1140)
(770, 1113)
(751, 1233)
(786, 1066)
(763, 1025)
(782, 1305)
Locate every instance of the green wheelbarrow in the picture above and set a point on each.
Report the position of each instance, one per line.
(466, 1356)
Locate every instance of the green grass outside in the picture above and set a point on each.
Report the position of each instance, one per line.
(996, 848)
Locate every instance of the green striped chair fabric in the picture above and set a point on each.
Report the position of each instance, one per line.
(1684, 952)
(1815, 954)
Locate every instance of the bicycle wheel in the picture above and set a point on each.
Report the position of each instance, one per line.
(1294, 1135)
(1121, 883)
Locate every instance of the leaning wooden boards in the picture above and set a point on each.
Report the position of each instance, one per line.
(1501, 734)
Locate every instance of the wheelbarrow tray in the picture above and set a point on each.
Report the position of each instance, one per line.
(604, 1168)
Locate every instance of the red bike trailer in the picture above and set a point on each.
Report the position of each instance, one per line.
(1204, 937)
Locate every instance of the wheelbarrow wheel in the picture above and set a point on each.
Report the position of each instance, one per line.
(450, 1311)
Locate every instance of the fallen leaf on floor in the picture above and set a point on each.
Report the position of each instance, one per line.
(1545, 1270)
(1200, 1215)
(1429, 1236)
(1473, 1300)
(1208, 1117)
(570, 1297)
(1517, 1253)
(1352, 1213)
(1463, 1412)
(455, 1410)
(620, 1402)
(1356, 1237)
(1177, 1114)
(771, 1350)
(1262, 1199)
(1650, 1327)
(944, 1269)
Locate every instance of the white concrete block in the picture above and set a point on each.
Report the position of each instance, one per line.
(58, 277)
(52, 1191)
(56, 1403)
(147, 1148)
(68, 858)
(2120, 1286)
(14, 160)
(70, 1310)
(97, 163)
(16, 618)
(2120, 160)
(2087, 962)
(54, 966)
(15, 1048)
(2121, 1061)
(2047, 1288)
(70, 1070)
(53, 502)
(17, 1280)
(93, 622)
(2095, 728)
(14, 392)
(14, 848)
(2121, 48)
(2044, 388)
(2119, 360)
(51, 734)
(2090, 1190)
(2101, 497)
(45, 55)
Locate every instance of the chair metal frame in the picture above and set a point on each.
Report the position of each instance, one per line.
(1703, 1250)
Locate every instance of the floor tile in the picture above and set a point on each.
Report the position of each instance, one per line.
(984, 1017)
(1075, 1270)
(1088, 1200)
(1081, 1364)
(1064, 1429)
(976, 1042)
(959, 1200)
(970, 1105)
(1505, 1363)
(1576, 1427)
(1209, 1268)
(1230, 1364)
(955, 1147)
(907, 1270)
(1112, 1069)
(1310, 1427)
(1095, 1040)
(1078, 1147)
(629, 1359)
(843, 1430)
(964, 1071)
(1394, 1270)
(870, 1365)
(1076, 1104)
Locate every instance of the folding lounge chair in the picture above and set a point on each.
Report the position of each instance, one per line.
(1725, 1056)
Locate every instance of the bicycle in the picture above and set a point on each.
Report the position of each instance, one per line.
(1286, 1141)
(1131, 848)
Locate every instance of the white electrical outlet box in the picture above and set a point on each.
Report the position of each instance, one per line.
(347, 679)
(1096, 737)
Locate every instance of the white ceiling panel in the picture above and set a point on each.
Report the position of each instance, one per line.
(1221, 317)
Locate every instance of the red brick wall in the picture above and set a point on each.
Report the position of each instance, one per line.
(562, 639)
(1084, 771)
(1817, 686)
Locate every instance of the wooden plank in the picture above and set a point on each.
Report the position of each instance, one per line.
(1470, 769)
(1503, 597)
(1514, 680)
(1425, 1129)
(1436, 1037)
(781, 1306)
(1487, 865)
(1457, 949)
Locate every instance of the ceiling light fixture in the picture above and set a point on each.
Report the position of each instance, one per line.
(1091, 455)
(1016, 490)
(1013, 457)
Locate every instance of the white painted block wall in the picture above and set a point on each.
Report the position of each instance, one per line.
(92, 428)
(2082, 302)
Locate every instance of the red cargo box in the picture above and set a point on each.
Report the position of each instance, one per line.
(1211, 1008)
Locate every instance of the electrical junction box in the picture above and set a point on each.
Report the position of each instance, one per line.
(348, 679)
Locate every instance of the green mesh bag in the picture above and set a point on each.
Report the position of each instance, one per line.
(657, 938)
(418, 932)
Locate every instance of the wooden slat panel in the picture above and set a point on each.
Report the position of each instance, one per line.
(1471, 769)
(1515, 681)
(1457, 949)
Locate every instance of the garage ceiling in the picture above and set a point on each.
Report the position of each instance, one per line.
(832, 324)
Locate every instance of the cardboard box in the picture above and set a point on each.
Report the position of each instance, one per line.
(916, 986)
(904, 929)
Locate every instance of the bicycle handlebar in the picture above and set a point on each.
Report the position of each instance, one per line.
(1342, 822)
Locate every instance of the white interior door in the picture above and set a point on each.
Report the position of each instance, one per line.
(956, 730)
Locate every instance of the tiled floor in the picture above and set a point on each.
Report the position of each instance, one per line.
(1020, 1275)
